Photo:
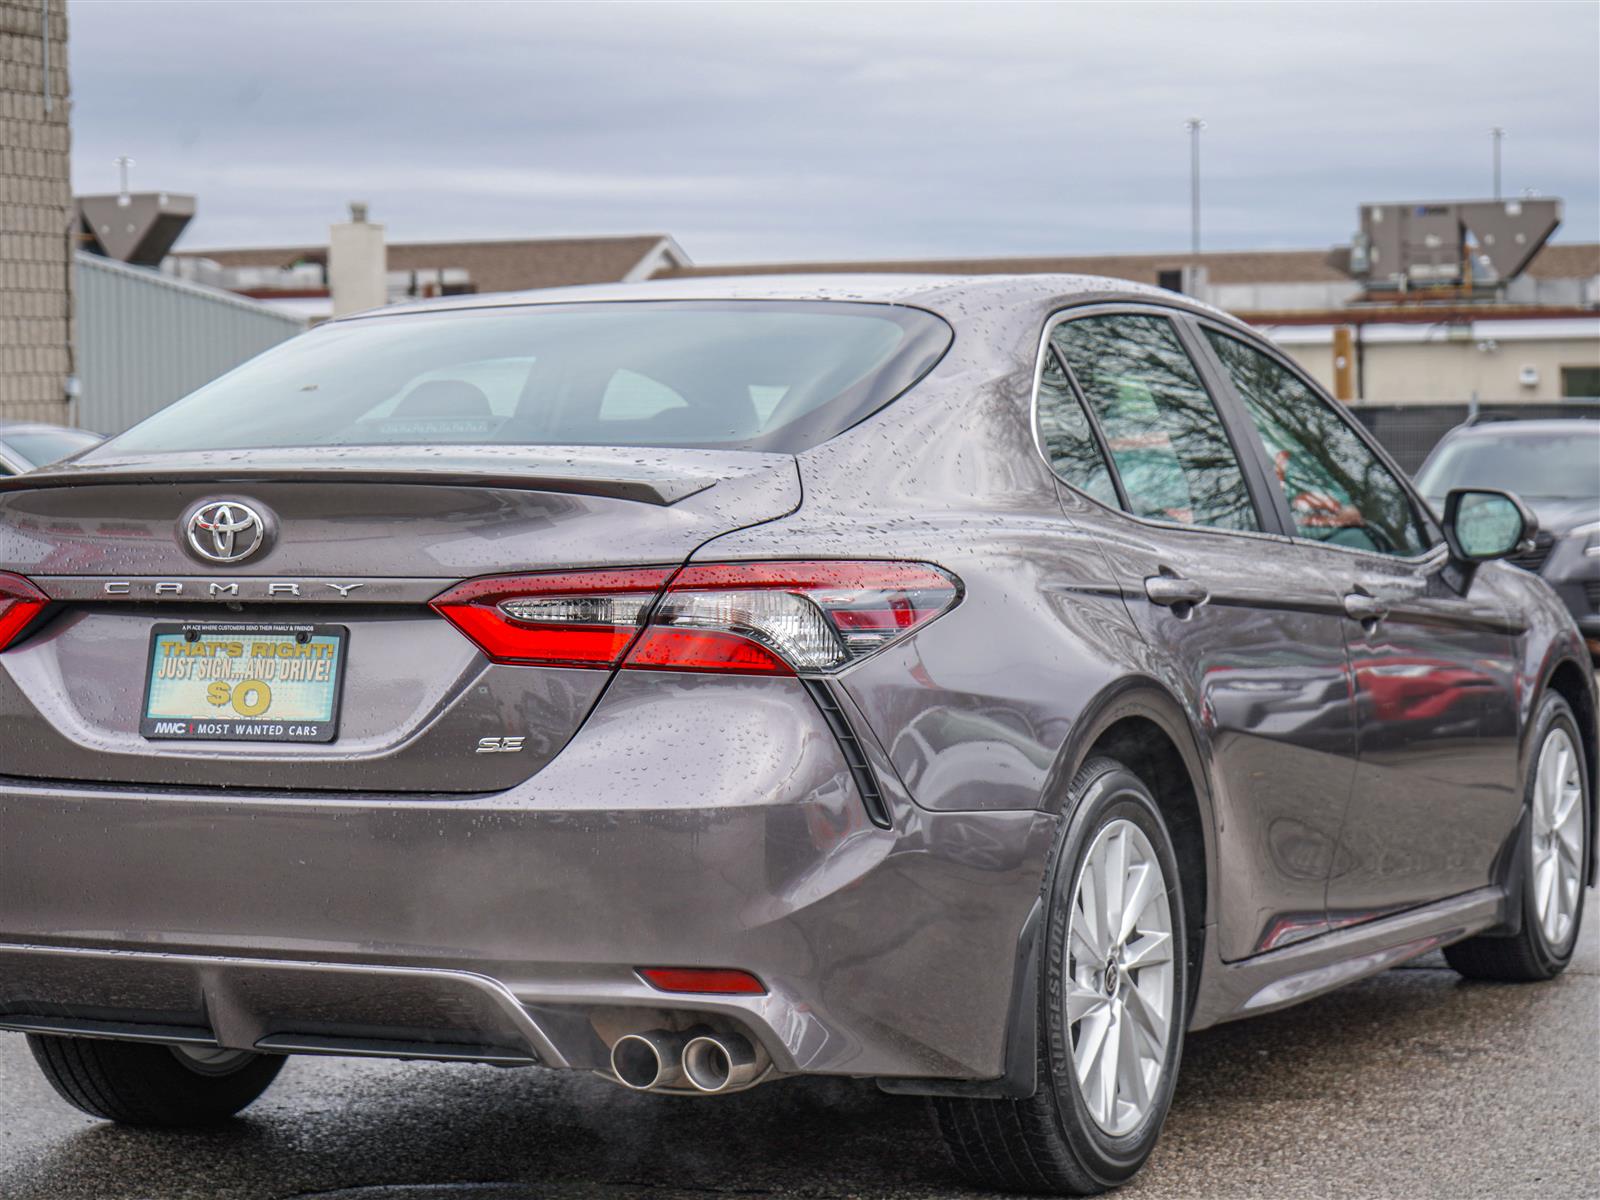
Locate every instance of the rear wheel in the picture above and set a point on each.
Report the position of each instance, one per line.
(137, 1083)
(1112, 1006)
(1555, 864)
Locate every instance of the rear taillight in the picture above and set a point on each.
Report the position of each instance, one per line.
(780, 618)
(570, 619)
(20, 603)
(760, 618)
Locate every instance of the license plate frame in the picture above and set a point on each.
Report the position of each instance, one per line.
(193, 725)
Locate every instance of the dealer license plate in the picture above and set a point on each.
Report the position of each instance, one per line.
(248, 683)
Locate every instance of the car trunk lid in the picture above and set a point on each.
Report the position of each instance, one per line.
(358, 541)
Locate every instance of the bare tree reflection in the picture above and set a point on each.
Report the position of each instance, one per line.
(1068, 440)
(1159, 422)
(1337, 488)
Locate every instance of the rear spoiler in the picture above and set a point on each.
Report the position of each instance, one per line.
(647, 476)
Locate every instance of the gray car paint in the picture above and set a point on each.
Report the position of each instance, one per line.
(416, 693)
(559, 887)
(706, 820)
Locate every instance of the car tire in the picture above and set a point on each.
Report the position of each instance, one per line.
(138, 1083)
(1555, 863)
(1065, 1138)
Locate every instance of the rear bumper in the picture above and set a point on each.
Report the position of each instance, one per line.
(694, 820)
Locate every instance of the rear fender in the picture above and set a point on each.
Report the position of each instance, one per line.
(1140, 698)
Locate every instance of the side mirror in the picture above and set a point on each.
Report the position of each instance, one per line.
(1482, 524)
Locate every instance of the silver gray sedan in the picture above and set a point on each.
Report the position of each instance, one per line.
(25, 445)
(966, 685)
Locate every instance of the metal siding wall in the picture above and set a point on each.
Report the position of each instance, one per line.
(145, 340)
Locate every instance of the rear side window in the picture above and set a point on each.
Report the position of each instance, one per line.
(1338, 490)
(1163, 431)
(761, 375)
(1068, 441)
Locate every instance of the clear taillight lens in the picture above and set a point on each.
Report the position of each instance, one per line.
(787, 617)
(763, 618)
(20, 603)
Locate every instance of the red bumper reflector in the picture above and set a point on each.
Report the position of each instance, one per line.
(704, 981)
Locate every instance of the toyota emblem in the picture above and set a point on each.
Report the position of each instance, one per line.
(225, 531)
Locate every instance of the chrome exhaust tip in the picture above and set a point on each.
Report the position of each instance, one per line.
(650, 1060)
(721, 1062)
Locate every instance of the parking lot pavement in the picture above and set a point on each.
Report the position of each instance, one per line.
(1411, 1084)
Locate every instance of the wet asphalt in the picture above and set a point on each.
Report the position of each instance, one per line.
(1414, 1083)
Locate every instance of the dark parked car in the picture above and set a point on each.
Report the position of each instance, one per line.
(25, 445)
(966, 685)
(1555, 467)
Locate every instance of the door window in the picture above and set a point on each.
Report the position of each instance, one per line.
(1338, 490)
(1068, 440)
(1164, 434)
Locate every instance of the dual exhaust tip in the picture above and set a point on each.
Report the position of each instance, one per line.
(707, 1062)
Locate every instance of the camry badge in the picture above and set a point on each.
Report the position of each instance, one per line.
(225, 531)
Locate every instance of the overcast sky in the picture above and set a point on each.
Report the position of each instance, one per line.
(767, 131)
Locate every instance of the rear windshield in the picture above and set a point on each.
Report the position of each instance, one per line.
(754, 374)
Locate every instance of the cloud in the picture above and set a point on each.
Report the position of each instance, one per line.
(807, 131)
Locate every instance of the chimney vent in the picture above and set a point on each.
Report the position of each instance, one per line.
(358, 264)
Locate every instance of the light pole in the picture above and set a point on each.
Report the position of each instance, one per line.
(1497, 133)
(123, 162)
(1194, 125)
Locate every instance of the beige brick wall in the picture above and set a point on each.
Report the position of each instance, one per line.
(35, 208)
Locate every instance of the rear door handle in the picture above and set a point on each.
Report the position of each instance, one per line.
(1359, 606)
(1174, 591)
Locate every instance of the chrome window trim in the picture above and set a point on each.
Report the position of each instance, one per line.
(1061, 317)
(1439, 549)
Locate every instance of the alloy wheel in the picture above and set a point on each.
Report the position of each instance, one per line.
(1557, 836)
(1119, 996)
(212, 1060)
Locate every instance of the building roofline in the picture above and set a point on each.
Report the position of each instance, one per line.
(1330, 264)
(1416, 314)
(934, 264)
(151, 276)
(201, 252)
(1544, 329)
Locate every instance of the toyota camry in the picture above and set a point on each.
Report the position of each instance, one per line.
(965, 685)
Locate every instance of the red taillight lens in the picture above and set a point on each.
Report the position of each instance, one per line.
(705, 650)
(705, 981)
(760, 618)
(779, 618)
(571, 618)
(20, 603)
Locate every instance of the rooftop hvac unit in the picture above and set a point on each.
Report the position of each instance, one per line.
(137, 228)
(1456, 244)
